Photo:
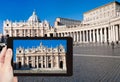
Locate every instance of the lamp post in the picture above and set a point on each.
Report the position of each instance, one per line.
(55, 30)
(12, 31)
(43, 31)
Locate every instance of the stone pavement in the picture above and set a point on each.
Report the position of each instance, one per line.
(91, 63)
(97, 49)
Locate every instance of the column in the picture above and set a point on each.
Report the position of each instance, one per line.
(22, 62)
(20, 32)
(37, 61)
(86, 35)
(97, 34)
(64, 62)
(80, 36)
(60, 34)
(57, 61)
(119, 32)
(83, 36)
(93, 35)
(16, 62)
(77, 36)
(27, 62)
(28, 32)
(101, 35)
(45, 61)
(41, 61)
(57, 34)
(109, 33)
(33, 62)
(68, 34)
(74, 36)
(105, 35)
(90, 36)
(52, 61)
(113, 33)
(116, 32)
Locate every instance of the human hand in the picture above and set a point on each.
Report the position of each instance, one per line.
(6, 70)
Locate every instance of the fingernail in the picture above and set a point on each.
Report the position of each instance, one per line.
(9, 51)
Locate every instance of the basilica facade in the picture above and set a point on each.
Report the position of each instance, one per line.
(99, 25)
(33, 27)
(41, 57)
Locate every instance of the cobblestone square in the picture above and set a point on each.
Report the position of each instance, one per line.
(87, 67)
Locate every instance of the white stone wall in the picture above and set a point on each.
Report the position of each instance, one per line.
(101, 13)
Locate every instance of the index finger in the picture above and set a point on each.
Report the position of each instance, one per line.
(8, 57)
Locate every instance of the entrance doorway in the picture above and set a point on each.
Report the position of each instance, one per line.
(39, 65)
(30, 65)
(19, 65)
(61, 64)
(51, 35)
(49, 65)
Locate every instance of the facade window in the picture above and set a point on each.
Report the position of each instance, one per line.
(6, 31)
(7, 24)
(17, 31)
(35, 30)
(20, 51)
(60, 50)
(18, 58)
(26, 30)
(45, 25)
(12, 31)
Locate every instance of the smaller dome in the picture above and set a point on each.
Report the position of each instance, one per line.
(34, 18)
(61, 46)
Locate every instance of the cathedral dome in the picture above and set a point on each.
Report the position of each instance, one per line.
(34, 18)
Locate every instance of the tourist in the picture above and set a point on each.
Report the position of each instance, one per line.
(112, 44)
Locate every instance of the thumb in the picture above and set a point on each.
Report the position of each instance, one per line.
(8, 57)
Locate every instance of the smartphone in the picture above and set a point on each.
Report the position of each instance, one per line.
(45, 56)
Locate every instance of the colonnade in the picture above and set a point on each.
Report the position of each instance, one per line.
(100, 35)
(26, 32)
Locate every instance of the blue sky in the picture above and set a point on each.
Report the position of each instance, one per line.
(36, 43)
(46, 9)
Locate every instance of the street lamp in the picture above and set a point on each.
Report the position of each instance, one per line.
(43, 30)
(55, 30)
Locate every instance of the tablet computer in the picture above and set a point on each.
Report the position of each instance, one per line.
(47, 56)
